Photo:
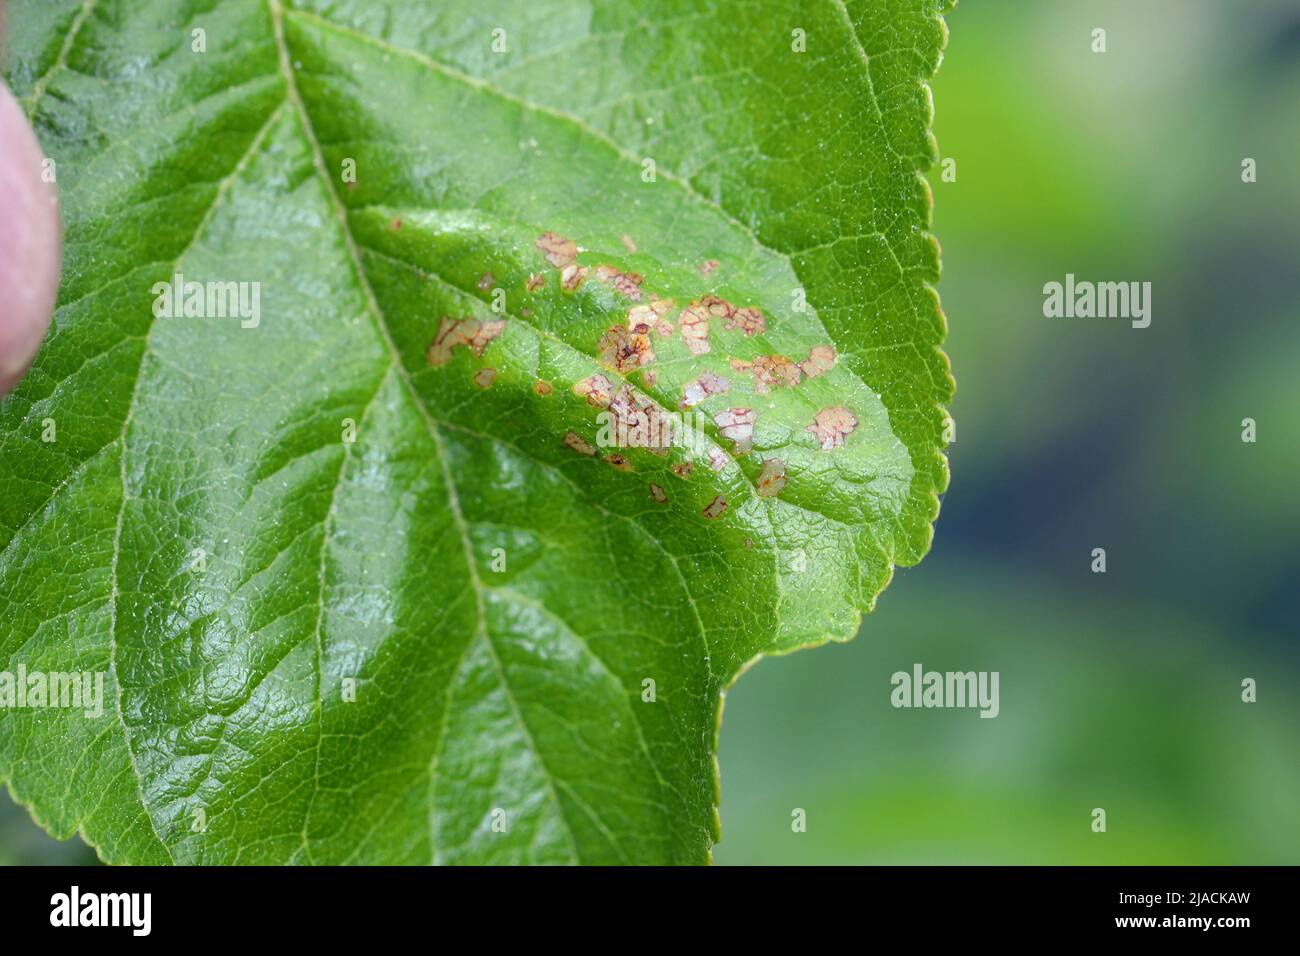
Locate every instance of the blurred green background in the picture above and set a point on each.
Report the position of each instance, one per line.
(1120, 690)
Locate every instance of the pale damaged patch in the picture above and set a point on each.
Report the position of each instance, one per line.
(650, 377)
(623, 350)
(542, 387)
(471, 333)
(832, 425)
(647, 318)
(629, 243)
(777, 371)
(701, 388)
(638, 422)
(486, 281)
(576, 442)
(625, 283)
(708, 267)
(694, 322)
(749, 320)
(770, 371)
(559, 251)
(618, 461)
(738, 425)
(820, 359)
(484, 377)
(658, 494)
(715, 507)
(717, 458)
(771, 479)
(596, 389)
(572, 276)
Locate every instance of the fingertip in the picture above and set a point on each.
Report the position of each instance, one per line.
(30, 244)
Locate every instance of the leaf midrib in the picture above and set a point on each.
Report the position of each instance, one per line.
(453, 497)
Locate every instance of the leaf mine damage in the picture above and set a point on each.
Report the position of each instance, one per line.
(578, 444)
(776, 371)
(715, 507)
(701, 388)
(650, 318)
(471, 333)
(832, 426)
(596, 389)
(627, 347)
(738, 425)
(558, 250)
(624, 350)
(771, 479)
(636, 420)
(628, 283)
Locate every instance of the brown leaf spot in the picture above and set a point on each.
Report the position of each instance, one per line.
(542, 387)
(572, 276)
(694, 322)
(626, 283)
(715, 507)
(484, 377)
(701, 388)
(820, 359)
(472, 333)
(738, 425)
(559, 251)
(717, 306)
(486, 281)
(683, 469)
(650, 376)
(638, 422)
(650, 318)
(832, 425)
(708, 267)
(596, 389)
(770, 371)
(777, 371)
(624, 351)
(535, 281)
(618, 461)
(658, 494)
(771, 479)
(748, 320)
(395, 225)
(577, 444)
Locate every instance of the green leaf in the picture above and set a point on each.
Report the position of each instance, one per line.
(433, 642)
